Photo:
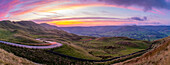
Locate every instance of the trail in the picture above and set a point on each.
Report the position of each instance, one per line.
(54, 45)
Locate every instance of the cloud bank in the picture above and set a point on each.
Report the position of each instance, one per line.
(146, 4)
(139, 19)
(93, 18)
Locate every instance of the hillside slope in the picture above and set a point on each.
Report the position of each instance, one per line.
(10, 59)
(28, 31)
(160, 55)
(49, 26)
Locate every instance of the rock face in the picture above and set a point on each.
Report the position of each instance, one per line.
(10, 59)
(159, 55)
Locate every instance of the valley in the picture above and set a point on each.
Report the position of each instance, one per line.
(148, 33)
(71, 48)
(85, 47)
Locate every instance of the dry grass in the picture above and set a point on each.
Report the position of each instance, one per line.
(10, 59)
(160, 55)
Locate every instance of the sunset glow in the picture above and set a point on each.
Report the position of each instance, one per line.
(80, 12)
(69, 22)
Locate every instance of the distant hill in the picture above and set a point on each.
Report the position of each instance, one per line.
(161, 29)
(137, 32)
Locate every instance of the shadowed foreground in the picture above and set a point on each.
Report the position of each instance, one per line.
(10, 59)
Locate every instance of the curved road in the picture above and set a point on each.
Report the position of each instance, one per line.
(54, 45)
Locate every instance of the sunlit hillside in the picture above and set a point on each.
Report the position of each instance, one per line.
(159, 55)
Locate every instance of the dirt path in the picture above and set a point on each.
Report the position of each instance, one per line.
(54, 45)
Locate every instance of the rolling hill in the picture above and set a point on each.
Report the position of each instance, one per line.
(149, 33)
(74, 46)
(27, 31)
(159, 55)
(136, 32)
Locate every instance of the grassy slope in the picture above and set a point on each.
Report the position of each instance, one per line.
(75, 51)
(41, 56)
(10, 59)
(5, 35)
(16, 37)
(94, 49)
(101, 48)
(27, 31)
(160, 55)
(25, 34)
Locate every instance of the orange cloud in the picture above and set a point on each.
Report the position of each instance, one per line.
(68, 23)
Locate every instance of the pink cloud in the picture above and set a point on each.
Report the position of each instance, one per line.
(6, 7)
(158, 11)
(93, 23)
(33, 6)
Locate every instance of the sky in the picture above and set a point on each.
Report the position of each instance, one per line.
(67, 13)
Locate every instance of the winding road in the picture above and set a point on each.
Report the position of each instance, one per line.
(53, 45)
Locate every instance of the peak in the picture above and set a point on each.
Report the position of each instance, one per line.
(6, 21)
(49, 26)
(44, 24)
(25, 21)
